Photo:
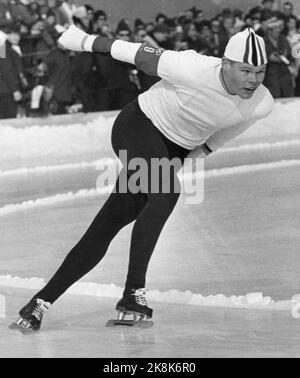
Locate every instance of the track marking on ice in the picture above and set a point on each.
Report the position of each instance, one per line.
(261, 146)
(251, 168)
(250, 300)
(52, 200)
(103, 161)
(86, 193)
(56, 167)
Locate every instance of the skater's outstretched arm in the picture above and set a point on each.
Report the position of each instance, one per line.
(173, 66)
(144, 56)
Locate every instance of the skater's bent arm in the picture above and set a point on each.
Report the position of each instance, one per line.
(223, 136)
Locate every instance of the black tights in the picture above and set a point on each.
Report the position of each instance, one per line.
(135, 133)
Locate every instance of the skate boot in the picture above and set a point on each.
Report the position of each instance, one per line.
(133, 304)
(31, 316)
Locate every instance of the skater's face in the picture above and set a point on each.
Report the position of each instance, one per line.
(242, 79)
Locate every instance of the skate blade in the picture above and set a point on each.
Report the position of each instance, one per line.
(130, 323)
(22, 326)
(137, 316)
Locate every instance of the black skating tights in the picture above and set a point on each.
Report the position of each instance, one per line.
(135, 133)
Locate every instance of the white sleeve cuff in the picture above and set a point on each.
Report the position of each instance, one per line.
(125, 51)
(88, 44)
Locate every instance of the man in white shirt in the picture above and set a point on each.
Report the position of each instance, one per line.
(200, 104)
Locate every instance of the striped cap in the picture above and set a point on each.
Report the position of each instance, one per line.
(247, 47)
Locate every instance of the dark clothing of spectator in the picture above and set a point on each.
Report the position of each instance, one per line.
(297, 89)
(266, 14)
(215, 44)
(4, 19)
(147, 81)
(279, 79)
(60, 79)
(47, 42)
(223, 40)
(21, 13)
(9, 83)
(117, 86)
(194, 44)
(86, 80)
(167, 45)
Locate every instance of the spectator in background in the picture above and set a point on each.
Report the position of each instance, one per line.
(86, 81)
(140, 36)
(226, 32)
(293, 37)
(238, 20)
(119, 80)
(160, 18)
(287, 11)
(13, 42)
(189, 15)
(39, 6)
(123, 27)
(99, 22)
(149, 27)
(90, 13)
(96, 82)
(206, 38)
(60, 80)
(84, 71)
(21, 13)
(53, 5)
(82, 19)
(161, 36)
(191, 39)
(139, 24)
(65, 12)
(5, 15)
(10, 84)
(107, 31)
(267, 9)
(279, 78)
(36, 10)
(215, 29)
(48, 36)
(199, 18)
(291, 28)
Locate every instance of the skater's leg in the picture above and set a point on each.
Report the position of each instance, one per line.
(119, 210)
(149, 144)
(145, 234)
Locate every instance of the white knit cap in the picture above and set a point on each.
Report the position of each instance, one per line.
(247, 47)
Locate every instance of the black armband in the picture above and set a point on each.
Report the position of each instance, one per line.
(102, 45)
(147, 58)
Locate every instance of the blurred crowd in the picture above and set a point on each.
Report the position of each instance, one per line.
(38, 77)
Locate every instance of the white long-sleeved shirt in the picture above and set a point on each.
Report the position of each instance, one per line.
(190, 105)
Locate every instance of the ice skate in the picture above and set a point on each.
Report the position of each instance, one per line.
(133, 305)
(31, 316)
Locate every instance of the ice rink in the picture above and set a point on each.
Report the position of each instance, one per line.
(225, 273)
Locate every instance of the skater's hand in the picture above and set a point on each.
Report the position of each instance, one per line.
(73, 39)
(17, 96)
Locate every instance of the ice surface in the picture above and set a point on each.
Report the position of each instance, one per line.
(226, 270)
